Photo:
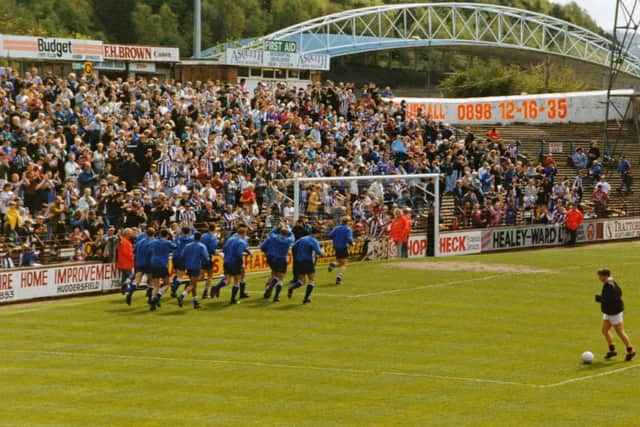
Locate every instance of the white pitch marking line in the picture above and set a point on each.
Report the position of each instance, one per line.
(465, 379)
(39, 305)
(326, 368)
(6, 310)
(589, 377)
(270, 365)
(417, 288)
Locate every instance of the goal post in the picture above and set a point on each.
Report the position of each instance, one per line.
(326, 199)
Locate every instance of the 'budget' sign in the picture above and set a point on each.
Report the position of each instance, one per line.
(50, 48)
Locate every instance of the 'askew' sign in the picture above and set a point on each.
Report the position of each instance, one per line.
(43, 282)
(512, 238)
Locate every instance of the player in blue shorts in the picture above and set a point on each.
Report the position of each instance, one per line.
(342, 237)
(305, 251)
(141, 264)
(195, 255)
(276, 249)
(181, 242)
(233, 250)
(159, 250)
(210, 240)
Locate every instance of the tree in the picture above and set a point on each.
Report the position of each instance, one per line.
(157, 28)
(482, 78)
(493, 78)
(115, 17)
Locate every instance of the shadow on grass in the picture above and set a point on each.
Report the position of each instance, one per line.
(180, 312)
(328, 285)
(257, 302)
(292, 306)
(601, 364)
(217, 306)
(128, 311)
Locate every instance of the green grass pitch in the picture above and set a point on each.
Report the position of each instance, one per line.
(391, 346)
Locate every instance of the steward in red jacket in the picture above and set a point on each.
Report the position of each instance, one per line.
(574, 219)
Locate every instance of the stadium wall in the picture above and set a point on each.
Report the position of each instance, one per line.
(28, 284)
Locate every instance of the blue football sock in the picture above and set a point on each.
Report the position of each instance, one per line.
(308, 291)
(175, 284)
(297, 284)
(234, 292)
(221, 284)
(278, 290)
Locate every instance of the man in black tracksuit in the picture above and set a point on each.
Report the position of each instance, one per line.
(612, 307)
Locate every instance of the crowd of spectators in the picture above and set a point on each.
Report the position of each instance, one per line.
(82, 157)
(497, 185)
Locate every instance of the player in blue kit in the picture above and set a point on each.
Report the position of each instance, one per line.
(305, 251)
(276, 248)
(141, 264)
(181, 242)
(342, 237)
(195, 254)
(159, 250)
(233, 250)
(210, 240)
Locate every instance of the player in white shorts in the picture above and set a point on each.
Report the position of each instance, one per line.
(612, 307)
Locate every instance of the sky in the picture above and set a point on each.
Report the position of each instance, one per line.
(602, 11)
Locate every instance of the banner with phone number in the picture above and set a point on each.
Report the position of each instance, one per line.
(576, 107)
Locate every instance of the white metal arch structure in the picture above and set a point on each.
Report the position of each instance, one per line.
(447, 24)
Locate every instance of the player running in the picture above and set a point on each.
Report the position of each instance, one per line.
(195, 255)
(233, 250)
(612, 306)
(210, 240)
(142, 260)
(181, 242)
(342, 237)
(276, 248)
(305, 251)
(159, 250)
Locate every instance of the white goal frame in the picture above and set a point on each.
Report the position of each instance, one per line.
(436, 195)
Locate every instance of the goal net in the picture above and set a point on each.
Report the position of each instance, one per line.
(369, 202)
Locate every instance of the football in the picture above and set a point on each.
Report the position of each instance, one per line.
(587, 357)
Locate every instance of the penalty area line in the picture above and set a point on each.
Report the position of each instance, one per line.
(589, 377)
(370, 372)
(356, 371)
(418, 288)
